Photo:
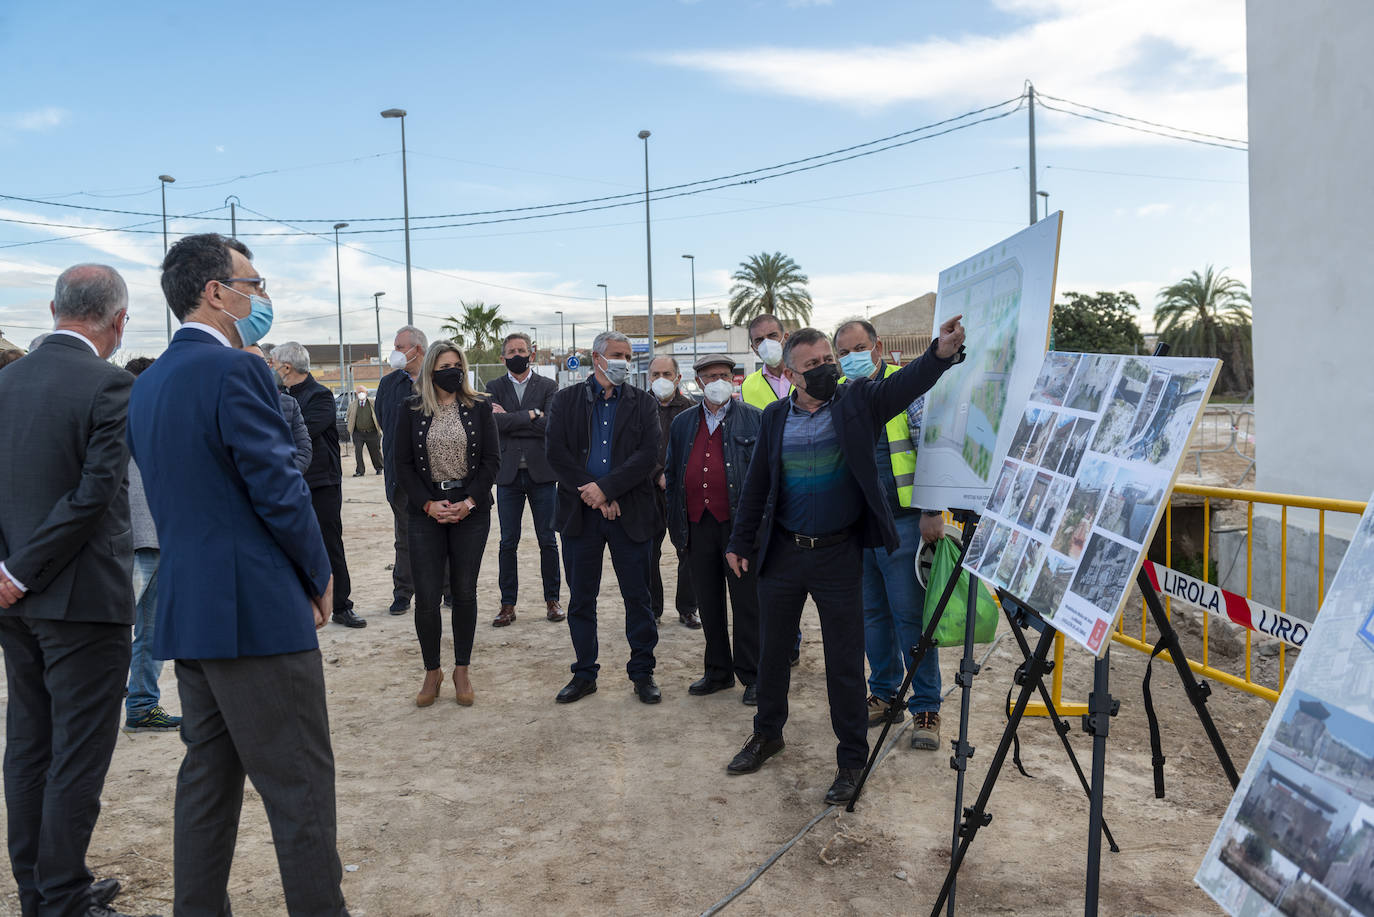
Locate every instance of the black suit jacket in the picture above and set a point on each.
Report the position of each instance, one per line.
(392, 392)
(634, 453)
(412, 453)
(64, 497)
(518, 431)
(859, 410)
(320, 413)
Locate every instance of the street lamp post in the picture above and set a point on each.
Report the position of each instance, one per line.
(606, 299)
(338, 285)
(561, 343)
(648, 245)
(693, 260)
(166, 180)
(233, 202)
(377, 311)
(1046, 196)
(405, 203)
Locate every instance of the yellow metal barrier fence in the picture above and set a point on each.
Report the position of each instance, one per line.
(1245, 681)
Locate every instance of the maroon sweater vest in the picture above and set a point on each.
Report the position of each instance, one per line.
(704, 479)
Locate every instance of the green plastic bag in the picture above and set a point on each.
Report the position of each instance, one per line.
(950, 630)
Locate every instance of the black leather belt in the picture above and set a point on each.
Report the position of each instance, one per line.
(812, 542)
(451, 485)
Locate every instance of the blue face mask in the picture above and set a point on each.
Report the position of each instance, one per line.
(857, 364)
(255, 325)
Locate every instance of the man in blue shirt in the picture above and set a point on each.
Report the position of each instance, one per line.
(812, 502)
(602, 441)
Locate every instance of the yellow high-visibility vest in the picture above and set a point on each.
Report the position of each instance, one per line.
(901, 450)
(757, 391)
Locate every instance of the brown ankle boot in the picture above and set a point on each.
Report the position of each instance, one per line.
(429, 691)
(464, 697)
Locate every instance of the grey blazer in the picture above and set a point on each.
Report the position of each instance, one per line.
(64, 498)
(518, 432)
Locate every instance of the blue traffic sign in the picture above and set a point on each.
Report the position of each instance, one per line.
(572, 362)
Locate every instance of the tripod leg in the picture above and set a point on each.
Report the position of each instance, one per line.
(1197, 693)
(968, 668)
(918, 653)
(1061, 728)
(1100, 711)
(975, 816)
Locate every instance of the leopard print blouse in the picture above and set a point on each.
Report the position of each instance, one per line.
(448, 445)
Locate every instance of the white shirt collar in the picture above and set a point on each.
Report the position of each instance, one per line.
(717, 413)
(517, 381)
(80, 337)
(210, 330)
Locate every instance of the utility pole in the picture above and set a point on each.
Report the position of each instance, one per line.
(233, 202)
(1030, 109)
(648, 245)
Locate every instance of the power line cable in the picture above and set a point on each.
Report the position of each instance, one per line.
(1179, 130)
(1218, 181)
(1142, 130)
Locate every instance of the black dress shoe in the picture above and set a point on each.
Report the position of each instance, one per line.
(648, 691)
(756, 751)
(399, 607)
(708, 685)
(104, 891)
(358, 474)
(101, 910)
(751, 695)
(349, 618)
(846, 782)
(575, 690)
(690, 620)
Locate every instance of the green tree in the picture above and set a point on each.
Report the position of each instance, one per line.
(1101, 323)
(1208, 315)
(769, 283)
(478, 331)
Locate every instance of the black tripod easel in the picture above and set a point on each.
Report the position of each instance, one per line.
(1027, 674)
(1101, 708)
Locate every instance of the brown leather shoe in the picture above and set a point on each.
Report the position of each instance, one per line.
(556, 612)
(505, 616)
(429, 691)
(464, 698)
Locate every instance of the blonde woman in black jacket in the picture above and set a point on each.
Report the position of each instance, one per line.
(447, 455)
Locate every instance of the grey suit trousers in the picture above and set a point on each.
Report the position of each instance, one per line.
(263, 717)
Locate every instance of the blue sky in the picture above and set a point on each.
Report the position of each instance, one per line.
(515, 105)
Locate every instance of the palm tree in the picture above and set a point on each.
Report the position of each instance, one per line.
(769, 283)
(478, 331)
(1208, 315)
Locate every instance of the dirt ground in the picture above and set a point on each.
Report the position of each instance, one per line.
(518, 806)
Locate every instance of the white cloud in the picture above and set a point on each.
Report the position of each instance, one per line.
(1173, 61)
(39, 119)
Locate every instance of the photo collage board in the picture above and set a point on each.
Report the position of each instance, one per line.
(1085, 483)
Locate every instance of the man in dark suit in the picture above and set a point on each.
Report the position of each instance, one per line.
(324, 476)
(244, 583)
(395, 387)
(520, 401)
(812, 501)
(665, 379)
(66, 593)
(602, 441)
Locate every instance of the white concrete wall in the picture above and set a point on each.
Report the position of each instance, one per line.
(1311, 108)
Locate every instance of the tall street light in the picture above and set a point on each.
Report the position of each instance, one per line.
(561, 345)
(648, 246)
(377, 311)
(232, 202)
(405, 202)
(693, 260)
(166, 180)
(338, 283)
(606, 297)
(1046, 196)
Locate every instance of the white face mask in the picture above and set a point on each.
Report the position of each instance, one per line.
(662, 388)
(362, 396)
(397, 360)
(719, 391)
(770, 352)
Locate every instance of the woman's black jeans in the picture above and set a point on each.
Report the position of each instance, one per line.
(460, 545)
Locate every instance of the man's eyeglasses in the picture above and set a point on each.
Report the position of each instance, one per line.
(259, 282)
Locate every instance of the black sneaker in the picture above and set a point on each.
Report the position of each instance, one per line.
(881, 711)
(155, 720)
(399, 607)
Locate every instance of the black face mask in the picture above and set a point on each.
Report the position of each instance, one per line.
(821, 381)
(451, 379)
(517, 364)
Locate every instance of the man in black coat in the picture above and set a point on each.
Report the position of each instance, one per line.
(66, 594)
(602, 441)
(395, 387)
(324, 477)
(665, 380)
(521, 400)
(812, 501)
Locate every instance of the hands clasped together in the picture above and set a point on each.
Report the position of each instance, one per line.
(593, 496)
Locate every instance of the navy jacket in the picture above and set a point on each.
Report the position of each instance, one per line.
(320, 413)
(739, 432)
(634, 453)
(241, 549)
(859, 410)
(412, 453)
(392, 392)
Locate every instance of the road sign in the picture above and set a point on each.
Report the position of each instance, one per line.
(573, 362)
